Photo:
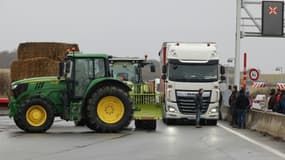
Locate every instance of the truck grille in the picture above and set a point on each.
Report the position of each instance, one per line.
(186, 101)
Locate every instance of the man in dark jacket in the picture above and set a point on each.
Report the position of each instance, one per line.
(199, 104)
(232, 103)
(242, 104)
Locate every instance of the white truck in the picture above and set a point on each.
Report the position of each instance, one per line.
(187, 67)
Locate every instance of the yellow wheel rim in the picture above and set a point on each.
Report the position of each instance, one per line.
(110, 109)
(36, 115)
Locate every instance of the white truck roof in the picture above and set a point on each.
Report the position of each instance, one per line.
(191, 52)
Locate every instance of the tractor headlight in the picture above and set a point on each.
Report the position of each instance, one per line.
(19, 89)
(14, 86)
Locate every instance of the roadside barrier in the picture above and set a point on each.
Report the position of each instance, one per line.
(270, 123)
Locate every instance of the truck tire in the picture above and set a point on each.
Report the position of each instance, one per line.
(169, 121)
(34, 116)
(149, 125)
(212, 122)
(109, 109)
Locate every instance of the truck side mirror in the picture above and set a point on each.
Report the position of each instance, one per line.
(164, 69)
(152, 68)
(163, 76)
(60, 73)
(222, 70)
(223, 78)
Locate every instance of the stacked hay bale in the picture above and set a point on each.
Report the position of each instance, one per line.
(38, 59)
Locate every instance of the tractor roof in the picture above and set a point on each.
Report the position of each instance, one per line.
(88, 55)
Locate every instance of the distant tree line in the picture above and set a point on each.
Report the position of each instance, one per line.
(7, 57)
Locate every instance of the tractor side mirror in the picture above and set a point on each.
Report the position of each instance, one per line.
(222, 70)
(164, 69)
(152, 68)
(60, 73)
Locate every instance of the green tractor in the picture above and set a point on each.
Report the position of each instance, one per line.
(145, 97)
(83, 92)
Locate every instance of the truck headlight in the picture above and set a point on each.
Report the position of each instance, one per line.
(214, 110)
(171, 109)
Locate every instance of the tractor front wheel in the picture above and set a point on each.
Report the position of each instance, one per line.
(34, 115)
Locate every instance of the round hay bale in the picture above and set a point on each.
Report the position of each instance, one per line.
(52, 50)
(35, 67)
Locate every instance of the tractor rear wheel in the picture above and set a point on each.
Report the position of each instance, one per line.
(109, 109)
(35, 115)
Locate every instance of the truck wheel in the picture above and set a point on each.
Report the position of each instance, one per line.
(35, 115)
(168, 121)
(212, 122)
(145, 124)
(109, 109)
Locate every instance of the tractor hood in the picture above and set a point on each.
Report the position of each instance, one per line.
(36, 79)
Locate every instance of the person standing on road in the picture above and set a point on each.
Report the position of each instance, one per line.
(282, 102)
(272, 100)
(232, 102)
(277, 101)
(199, 104)
(242, 104)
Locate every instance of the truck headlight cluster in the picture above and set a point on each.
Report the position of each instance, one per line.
(214, 110)
(171, 109)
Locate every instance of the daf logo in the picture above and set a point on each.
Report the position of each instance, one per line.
(190, 94)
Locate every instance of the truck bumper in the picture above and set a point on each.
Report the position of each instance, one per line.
(176, 114)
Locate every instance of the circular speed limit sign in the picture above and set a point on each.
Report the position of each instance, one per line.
(253, 74)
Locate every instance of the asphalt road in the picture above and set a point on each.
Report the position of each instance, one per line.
(66, 142)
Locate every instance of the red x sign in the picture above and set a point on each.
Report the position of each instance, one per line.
(272, 10)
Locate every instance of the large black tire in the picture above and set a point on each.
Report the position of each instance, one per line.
(94, 120)
(21, 118)
(212, 122)
(18, 123)
(169, 121)
(146, 124)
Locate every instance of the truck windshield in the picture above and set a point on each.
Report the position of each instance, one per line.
(125, 71)
(193, 72)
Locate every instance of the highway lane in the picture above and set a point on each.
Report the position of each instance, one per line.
(64, 141)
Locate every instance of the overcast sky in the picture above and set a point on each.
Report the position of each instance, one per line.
(133, 27)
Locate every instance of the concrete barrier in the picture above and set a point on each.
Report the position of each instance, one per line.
(267, 122)
(262, 121)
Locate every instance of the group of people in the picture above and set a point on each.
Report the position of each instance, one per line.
(276, 101)
(239, 102)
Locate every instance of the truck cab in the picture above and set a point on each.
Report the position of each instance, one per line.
(187, 67)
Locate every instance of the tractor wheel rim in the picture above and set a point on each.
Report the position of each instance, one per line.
(110, 109)
(36, 115)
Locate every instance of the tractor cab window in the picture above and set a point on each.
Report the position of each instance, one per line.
(82, 75)
(87, 69)
(99, 68)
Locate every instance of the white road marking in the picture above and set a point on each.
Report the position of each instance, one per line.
(266, 147)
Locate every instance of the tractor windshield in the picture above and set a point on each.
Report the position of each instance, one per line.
(126, 71)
